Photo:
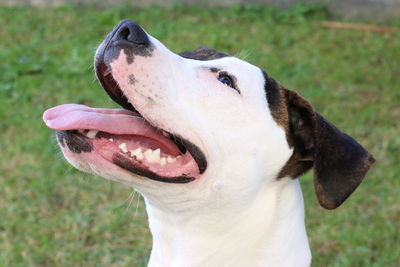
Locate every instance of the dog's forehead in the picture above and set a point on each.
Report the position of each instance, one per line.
(203, 53)
(221, 61)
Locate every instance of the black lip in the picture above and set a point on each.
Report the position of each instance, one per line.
(196, 153)
(124, 163)
(76, 143)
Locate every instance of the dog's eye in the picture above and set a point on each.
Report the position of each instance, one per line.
(227, 80)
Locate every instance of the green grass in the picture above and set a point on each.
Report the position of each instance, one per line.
(53, 215)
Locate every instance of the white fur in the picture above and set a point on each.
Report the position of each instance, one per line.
(237, 213)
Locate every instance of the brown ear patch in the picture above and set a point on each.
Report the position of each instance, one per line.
(339, 162)
(277, 103)
(281, 103)
(299, 135)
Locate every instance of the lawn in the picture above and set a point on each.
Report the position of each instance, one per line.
(54, 215)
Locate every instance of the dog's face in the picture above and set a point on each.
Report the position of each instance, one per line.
(201, 126)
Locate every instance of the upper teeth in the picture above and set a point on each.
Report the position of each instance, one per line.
(136, 152)
(91, 133)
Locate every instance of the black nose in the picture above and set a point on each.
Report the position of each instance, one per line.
(130, 31)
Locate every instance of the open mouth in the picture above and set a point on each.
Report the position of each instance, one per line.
(124, 138)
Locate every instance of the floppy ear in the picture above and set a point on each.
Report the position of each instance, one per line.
(339, 162)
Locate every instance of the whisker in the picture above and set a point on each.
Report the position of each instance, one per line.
(137, 206)
(131, 197)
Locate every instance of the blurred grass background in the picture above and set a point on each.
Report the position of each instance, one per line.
(53, 215)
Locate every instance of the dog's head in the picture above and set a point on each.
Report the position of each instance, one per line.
(201, 126)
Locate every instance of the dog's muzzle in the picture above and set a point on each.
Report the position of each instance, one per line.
(124, 137)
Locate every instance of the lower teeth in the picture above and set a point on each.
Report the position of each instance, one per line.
(152, 156)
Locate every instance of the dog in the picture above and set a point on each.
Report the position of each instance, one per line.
(214, 145)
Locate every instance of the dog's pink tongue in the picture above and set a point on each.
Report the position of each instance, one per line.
(114, 121)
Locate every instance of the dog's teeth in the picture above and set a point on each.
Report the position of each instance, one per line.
(163, 161)
(171, 159)
(123, 147)
(136, 152)
(140, 156)
(152, 156)
(81, 131)
(156, 154)
(148, 155)
(111, 140)
(91, 133)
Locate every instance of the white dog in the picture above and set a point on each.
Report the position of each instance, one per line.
(214, 145)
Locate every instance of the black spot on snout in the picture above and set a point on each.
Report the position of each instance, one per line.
(132, 80)
(134, 168)
(73, 141)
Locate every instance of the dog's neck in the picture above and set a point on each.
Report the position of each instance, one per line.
(268, 232)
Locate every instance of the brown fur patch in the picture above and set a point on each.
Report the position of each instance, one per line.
(280, 112)
(339, 162)
(280, 102)
(203, 53)
(277, 103)
(299, 134)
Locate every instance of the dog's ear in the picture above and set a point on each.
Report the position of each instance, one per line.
(339, 162)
